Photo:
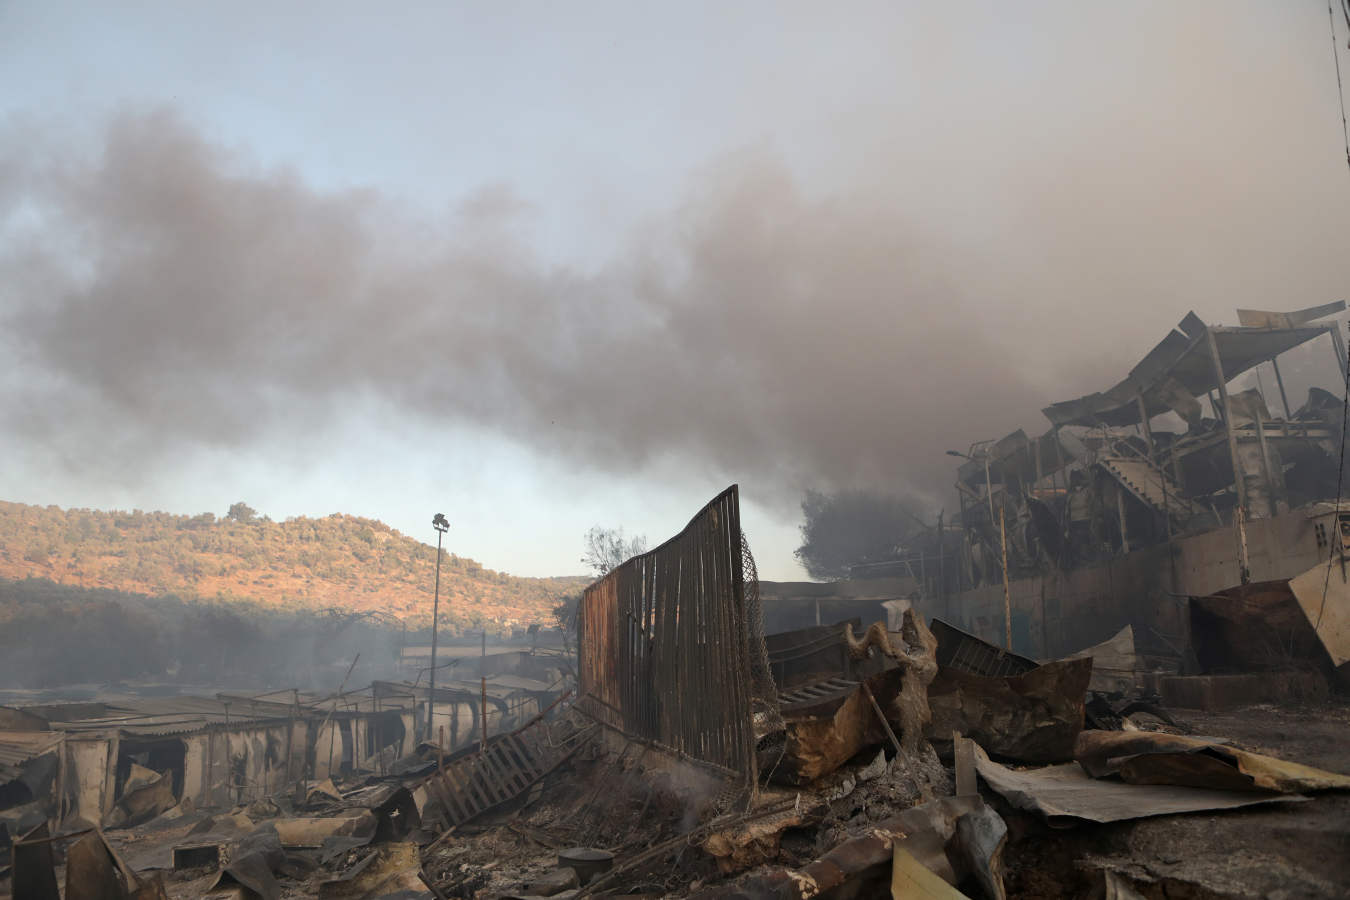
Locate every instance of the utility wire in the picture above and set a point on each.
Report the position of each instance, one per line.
(1336, 57)
(1345, 404)
(1335, 540)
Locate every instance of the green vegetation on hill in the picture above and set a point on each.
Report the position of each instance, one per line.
(340, 561)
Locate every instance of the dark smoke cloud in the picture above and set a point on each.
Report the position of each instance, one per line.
(161, 293)
(187, 299)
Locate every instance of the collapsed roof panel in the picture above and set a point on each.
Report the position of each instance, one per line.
(1261, 318)
(1019, 456)
(19, 747)
(1180, 364)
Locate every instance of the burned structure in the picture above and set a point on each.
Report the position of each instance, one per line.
(1167, 503)
(686, 754)
(119, 761)
(673, 624)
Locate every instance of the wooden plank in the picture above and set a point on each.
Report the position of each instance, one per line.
(449, 803)
(454, 801)
(529, 758)
(488, 775)
(508, 772)
(523, 761)
(476, 798)
(504, 769)
(963, 749)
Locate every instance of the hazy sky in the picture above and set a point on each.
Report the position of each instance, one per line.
(543, 266)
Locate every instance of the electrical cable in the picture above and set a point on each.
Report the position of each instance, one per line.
(1340, 478)
(1336, 57)
(1345, 406)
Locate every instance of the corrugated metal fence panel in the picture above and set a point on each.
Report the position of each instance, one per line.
(600, 661)
(664, 646)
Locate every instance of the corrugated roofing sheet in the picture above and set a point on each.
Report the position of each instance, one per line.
(19, 747)
(168, 715)
(186, 714)
(1182, 358)
(520, 683)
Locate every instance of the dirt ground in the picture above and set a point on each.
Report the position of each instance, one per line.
(1283, 851)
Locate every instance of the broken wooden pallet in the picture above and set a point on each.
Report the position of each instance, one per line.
(509, 766)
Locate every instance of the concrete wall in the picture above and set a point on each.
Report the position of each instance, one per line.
(222, 767)
(85, 780)
(462, 725)
(1063, 612)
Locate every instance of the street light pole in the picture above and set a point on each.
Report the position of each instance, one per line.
(442, 526)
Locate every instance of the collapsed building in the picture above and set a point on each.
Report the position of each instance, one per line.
(688, 753)
(849, 714)
(1191, 534)
(1207, 521)
(123, 760)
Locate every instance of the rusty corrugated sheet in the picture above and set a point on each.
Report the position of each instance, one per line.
(664, 643)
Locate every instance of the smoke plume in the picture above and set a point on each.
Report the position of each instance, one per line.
(967, 265)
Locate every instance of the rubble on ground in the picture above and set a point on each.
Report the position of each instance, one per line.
(616, 816)
(690, 757)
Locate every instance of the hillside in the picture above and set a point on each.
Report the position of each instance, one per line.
(340, 561)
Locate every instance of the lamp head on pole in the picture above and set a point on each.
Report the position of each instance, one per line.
(439, 523)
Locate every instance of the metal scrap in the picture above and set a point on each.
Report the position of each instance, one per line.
(1067, 795)
(665, 654)
(94, 871)
(827, 724)
(147, 794)
(1034, 717)
(1153, 758)
(821, 735)
(957, 649)
(1114, 663)
(862, 866)
(34, 868)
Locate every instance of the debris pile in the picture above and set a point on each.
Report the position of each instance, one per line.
(853, 799)
(832, 761)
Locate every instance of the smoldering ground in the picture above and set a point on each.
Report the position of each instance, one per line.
(980, 248)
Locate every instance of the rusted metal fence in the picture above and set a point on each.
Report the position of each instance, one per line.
(665, 649)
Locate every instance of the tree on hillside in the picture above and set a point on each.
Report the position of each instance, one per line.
(293, 565)
(607, 549)
(852, 527)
